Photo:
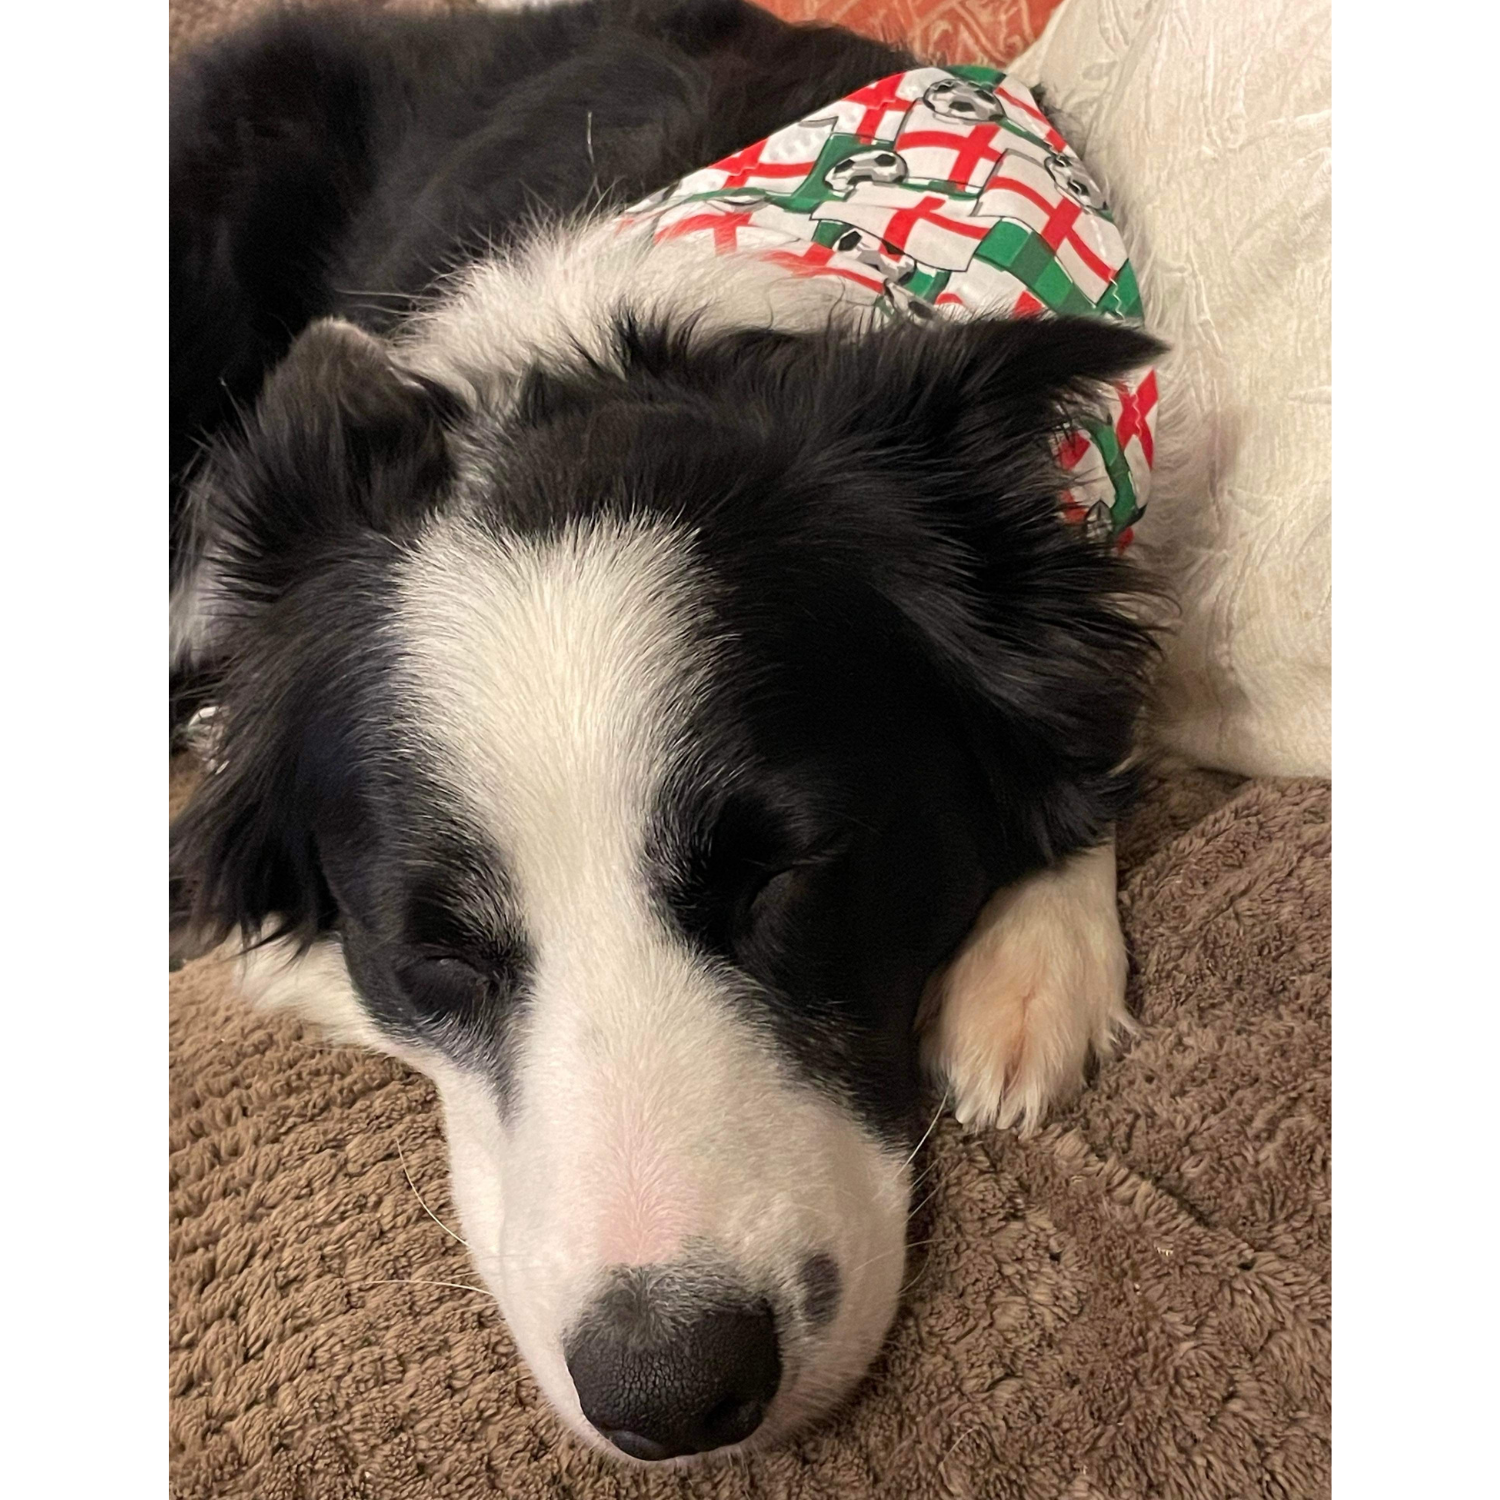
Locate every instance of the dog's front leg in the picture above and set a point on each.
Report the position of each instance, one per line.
(1038, 983)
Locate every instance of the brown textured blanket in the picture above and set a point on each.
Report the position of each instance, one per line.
(1133, 1303)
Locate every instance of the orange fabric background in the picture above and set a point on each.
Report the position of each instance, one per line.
(977, 31)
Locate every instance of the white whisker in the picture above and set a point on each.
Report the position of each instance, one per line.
(942, 1105)
(420, 1199)
(923, 1175)
(960, 1439)
(461, 1286)
(886, 1254)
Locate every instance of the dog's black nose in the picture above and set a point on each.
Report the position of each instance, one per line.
(663, 1369)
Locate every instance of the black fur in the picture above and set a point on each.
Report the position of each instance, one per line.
(339, 161)
(933, 682)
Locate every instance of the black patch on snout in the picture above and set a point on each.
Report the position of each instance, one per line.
(821, 1286)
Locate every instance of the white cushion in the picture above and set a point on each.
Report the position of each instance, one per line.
(1208, 125)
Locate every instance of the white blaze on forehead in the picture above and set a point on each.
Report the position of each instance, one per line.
(553, 673)
(555, 676)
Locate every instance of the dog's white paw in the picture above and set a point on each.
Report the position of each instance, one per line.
(1039, 982)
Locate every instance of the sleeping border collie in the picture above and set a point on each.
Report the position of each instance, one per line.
(633, 677)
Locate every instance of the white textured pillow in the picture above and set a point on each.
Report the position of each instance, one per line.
(1208, 125)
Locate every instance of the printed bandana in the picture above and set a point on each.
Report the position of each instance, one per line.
(946, 189)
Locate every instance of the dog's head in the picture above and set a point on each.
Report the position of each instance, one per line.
(628, 759)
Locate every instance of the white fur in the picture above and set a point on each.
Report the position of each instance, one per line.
(1038, 982)
(315, 985)
(556, 293)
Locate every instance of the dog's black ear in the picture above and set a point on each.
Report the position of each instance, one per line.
(1038, 627)
(342, 448)
(1035, 627)
(341, 440)
(244, 862)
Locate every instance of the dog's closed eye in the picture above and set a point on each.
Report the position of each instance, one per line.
(778, 890)
(771, 893)
(444, 986)
(751, 870)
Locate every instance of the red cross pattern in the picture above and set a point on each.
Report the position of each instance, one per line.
(1058, 227)
(725, 228)
(1071, 449)
(817, 260)
(745, 166)
(1135, 408)
(973, 148)
(928, 209)
(939, 216)
(877, 99)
